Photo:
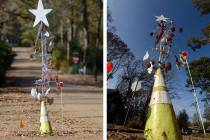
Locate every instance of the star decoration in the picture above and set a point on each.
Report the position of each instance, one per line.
(40, 14)
(161, 18)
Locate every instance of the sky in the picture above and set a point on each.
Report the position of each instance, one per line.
(134, 20)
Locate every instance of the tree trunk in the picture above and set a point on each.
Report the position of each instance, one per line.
(69, 38)
(98, 38)
(61, 33)
(85, 29)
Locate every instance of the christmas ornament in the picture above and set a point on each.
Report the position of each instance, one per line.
(164, 37)
(109, 66)
(146, 56)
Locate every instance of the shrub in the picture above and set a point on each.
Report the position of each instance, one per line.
(6, 58)
(59, 57)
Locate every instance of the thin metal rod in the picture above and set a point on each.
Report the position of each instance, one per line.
(160, 54)
(196, 99)
(43, 62)
(38, 34)
(62, 108)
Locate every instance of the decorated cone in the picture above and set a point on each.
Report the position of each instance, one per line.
(161, 123)
(45, 127)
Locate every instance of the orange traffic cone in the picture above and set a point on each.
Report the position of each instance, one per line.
(21, 124)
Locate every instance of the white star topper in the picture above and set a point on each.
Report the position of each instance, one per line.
(161, 18)
(40, 14)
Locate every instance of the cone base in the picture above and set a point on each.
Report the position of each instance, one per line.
(162, 123)
(46, 128)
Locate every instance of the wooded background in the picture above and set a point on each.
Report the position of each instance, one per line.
(76, 28)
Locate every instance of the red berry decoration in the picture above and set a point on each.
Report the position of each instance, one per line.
(184, 54)
(173, 29)
(148, 65)
(151, 33)
(169, 39)
(180, 29)
(61, 84)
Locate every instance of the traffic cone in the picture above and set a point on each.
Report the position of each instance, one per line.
(45, 127)
(21, 124)
(161, 123)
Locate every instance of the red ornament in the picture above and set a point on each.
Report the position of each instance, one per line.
(61, 84)
(153, 62)
(173, 29)
(151, 33)
(169, 39)
(180, 29)
(184, 53)
(109, 67)
(148, 65)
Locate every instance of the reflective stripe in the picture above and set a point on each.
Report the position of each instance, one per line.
(159, 84)
(43, 110)
(43, 115)
(43, 119)
(159, 88)
(159, 81)
(159, 93)
(159, 97)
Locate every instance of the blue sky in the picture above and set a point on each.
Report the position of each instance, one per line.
(134, 19)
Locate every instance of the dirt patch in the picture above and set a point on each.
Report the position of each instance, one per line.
(140, 136)
(117, 132)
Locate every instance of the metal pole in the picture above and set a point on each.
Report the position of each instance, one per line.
(196, 99)
(62, 108)
(42, 47)
(160, 54)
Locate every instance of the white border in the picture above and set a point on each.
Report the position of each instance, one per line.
(104, 70)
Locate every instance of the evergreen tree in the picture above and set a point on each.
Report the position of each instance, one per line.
(183, 119)
(203, 7)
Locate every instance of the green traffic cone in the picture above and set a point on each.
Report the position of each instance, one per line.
(161, 123)
(45, 127)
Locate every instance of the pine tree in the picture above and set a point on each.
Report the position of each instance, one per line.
(194, 42)
(183, 119)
